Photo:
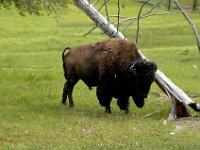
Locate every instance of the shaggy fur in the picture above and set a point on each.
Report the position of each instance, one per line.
(114, 67)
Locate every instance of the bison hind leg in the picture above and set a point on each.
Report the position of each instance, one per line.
(64, 95)
(68, 90)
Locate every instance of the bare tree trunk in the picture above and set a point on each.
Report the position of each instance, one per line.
(178, 99)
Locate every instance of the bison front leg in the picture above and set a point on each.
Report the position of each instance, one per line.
(124, 104)
(104, 97)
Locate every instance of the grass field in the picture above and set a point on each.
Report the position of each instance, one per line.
(31, 82)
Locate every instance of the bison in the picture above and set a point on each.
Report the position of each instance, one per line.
(114, 67)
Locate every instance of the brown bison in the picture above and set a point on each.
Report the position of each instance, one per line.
(114, 67)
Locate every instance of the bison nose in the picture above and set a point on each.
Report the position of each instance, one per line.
(140, 105)
(139, 102)
(143, 96)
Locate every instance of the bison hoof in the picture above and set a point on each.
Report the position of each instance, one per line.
(127, 112)
(71, 105)
(64, 103)
(108, 110)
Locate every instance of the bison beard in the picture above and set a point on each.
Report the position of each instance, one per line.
(114, 67)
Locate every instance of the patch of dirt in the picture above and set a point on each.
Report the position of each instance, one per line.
(187, 6)
(160, 96)
(190, 123)
(3, 140)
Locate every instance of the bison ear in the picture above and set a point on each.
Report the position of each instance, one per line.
(133, 69)
(154, 66)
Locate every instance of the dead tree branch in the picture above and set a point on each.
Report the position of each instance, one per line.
(107, 14)
(118, 15)
(139, 16)
(146, 16)
(190, 22)
(95, 2)
(143, 1)
(138, 21)
(105, 2)
(133, 19)
(93, 28)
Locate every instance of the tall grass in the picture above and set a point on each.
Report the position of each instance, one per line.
(31, 82)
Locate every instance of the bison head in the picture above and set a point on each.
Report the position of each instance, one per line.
(142, 74)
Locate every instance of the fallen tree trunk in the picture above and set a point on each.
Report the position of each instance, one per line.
(178, 99)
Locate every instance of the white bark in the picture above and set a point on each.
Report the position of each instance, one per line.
(165, 83)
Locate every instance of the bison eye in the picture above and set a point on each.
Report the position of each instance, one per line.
(133, 71)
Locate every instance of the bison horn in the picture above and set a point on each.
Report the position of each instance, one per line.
(133, 70)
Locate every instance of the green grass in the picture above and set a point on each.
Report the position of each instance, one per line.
(31, 82)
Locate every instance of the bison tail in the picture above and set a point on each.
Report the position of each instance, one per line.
(63, 53)
(64, 66)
